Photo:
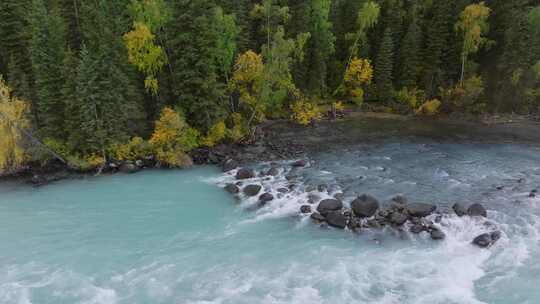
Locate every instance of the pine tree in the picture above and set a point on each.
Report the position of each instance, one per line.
(438, 32)
(384, 67)
(409, 55)
(311, 72)
(18, 81)
(47, 51)
(71, 12)
(194, 49)
(14, 34)
(108, 104)
(240, 10)
(70, 67)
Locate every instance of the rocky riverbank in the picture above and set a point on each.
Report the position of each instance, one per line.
(282, 140)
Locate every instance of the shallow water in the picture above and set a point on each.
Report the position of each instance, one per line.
(177, 237)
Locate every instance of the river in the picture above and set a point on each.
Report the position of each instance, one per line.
(177, 237)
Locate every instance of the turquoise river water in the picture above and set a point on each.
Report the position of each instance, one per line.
(177, 237)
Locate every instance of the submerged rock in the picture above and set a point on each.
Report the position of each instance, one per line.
(477, 210)
(272, 172)
(299, 163)
(313, 198)
(305, 209)
(244, 173)
(459, 209)
(365, 206)
(487, 239)
(399, 199)
(336, 219)
(252, 190)
(229, 165)
(420, 209)
(317, 217)
(329, 205)
(322, 188)
(232, 188)
(265, 198)
(398, 218)
(129, 168)
(417, 228)
(339, 196)
(437, 234)
(282, 190)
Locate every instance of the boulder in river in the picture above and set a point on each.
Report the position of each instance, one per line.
(336, 219)
(313, 198)
(459, 209)
(299, 163)
(305, 209)
(420, 209)
(245, 173)
(487, 239)
(399, 199)
(229, 164)
(265, 198)
(339, 196)
(477, 210)
(232, 188)
(398, 218)
(437, 234)
(317, 217)
(329, 205)
(282, 190)
(252, 190)
(417, 228)
(365, 206)
(274, 171)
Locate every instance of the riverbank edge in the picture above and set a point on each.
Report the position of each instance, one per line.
(270, 143)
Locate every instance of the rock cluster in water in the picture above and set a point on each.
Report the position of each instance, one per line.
(365, 212)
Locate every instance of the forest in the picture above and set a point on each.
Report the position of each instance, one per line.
(95, 80)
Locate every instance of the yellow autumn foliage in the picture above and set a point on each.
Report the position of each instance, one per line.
(215, 135)
(359, 73)
(144, 54)
(172, 138)
(238, 129)
(338, 106)
(430, 107)
(304, 112)
(247, 81)
(136, 148)
(13, 117)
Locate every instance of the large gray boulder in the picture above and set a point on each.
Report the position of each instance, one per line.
(459, 209)
(398, 218)
(265, 198)
(299, 163)
(232, 188)
(487, 239)
(365, 206)
(420, 209)
(329, 205)
(245, 173)
(477, 210)
(437, 234)
(274, 171)
(336, 219)
(252, 190)
(229, 164)
(317, 217)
